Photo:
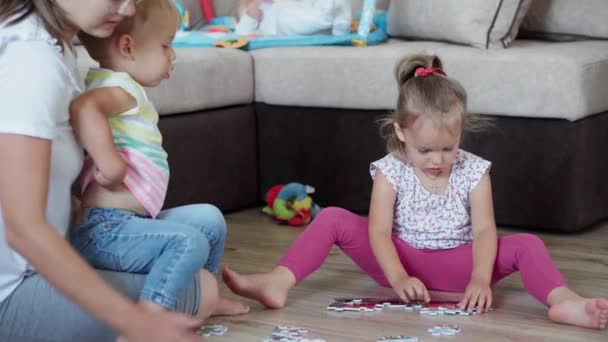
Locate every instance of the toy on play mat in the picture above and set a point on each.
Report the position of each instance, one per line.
(369, 28)
(291, 204)
(294, 17)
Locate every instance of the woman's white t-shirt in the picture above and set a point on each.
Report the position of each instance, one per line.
(37, 83)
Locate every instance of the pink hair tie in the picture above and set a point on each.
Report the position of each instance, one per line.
(428, 71)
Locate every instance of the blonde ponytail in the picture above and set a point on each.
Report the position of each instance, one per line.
(425, 92)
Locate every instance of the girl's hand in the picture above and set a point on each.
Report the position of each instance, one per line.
(411, 289)
(477, 295)
(162, 326)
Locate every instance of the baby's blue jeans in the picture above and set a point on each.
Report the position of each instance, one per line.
(171, 249)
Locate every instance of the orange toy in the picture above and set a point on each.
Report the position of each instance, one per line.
(232, 43)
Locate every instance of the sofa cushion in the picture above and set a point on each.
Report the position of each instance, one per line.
(567, 19)
(481, 23)
(202, 79)
(529, 79)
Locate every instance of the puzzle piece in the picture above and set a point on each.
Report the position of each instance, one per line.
(434, 308)
(451, 310)
(285, 333)
(445, 330)
(365, 304)
(399, 338)
(215, 330)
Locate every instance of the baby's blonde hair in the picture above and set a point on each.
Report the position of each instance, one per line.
(144, 9)
(434, 95)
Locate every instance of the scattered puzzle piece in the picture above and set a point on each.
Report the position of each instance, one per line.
(445, 330)
(215, 330)
(399, 338)
(284, 333)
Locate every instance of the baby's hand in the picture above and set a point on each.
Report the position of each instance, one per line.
(104, 181)
(477, 295)
(411, 289)
(110, 177)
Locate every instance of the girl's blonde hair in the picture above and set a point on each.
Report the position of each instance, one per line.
(53, 17)
(434, 95)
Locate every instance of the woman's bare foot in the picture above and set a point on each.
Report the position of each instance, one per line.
(269, 289)
(227, 307)
(582, 312)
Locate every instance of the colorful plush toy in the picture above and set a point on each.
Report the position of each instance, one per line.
(291, 204)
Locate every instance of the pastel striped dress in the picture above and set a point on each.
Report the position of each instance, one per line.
(138, 139)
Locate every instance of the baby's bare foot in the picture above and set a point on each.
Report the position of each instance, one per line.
(267, 288)
(583, 312)
(227, 307)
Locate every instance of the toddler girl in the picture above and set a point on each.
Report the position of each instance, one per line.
(431, 220)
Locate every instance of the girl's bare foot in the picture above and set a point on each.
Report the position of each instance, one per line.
(227, 307)
(269, 289)
(582, 312)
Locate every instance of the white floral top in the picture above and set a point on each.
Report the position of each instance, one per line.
(428, 221)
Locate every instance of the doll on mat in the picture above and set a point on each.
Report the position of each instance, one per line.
(293, 17)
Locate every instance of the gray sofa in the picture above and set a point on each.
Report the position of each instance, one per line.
(235, 123)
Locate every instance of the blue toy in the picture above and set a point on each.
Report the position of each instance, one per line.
(184, 16)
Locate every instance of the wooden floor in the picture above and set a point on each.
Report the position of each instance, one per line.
(255, 244)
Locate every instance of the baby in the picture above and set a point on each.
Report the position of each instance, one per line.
(293, 17)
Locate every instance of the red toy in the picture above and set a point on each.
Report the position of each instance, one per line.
(207, 9)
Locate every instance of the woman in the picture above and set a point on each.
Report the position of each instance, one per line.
(47, 292)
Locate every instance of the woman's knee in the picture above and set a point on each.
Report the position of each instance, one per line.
(209, 295)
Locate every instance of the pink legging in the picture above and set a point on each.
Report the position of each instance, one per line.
(443, 270)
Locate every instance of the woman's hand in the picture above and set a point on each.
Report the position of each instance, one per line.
(411, 289)
(477, 295)
(161, 326)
